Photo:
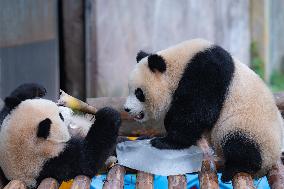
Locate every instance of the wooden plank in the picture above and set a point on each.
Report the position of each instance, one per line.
(208, 174)
(276, 176)
(177, 182)
(48, 183)
(115, 178)
(144, 180)
(81, 182)
(15, 184)
(243, 180)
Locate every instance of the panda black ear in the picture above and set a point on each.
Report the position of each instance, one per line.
(157, 63)
(44, 128)
(140, 55)
(12, 102)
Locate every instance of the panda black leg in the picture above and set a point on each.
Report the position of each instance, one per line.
(241, 154)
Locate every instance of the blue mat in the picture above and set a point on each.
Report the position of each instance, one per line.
(161, 182)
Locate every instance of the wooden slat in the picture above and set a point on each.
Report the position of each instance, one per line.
(144, 180)
(115, 178)
(243, 180)
(81, 182)
(48, 183)
(15, 184)
(177, 182)
(276, 176)
(208, 175)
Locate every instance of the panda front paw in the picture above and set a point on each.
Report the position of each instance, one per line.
(167, 143)
(107, 123)
(161, 143)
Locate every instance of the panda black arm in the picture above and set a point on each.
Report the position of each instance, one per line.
(85, 156)
(198, 99)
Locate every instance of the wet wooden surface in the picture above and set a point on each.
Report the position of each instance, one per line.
(243, 181)
(15, 184)
(275, 176)
(48, 183)
(115, 178)
(177, 182)
(144, 180)
(81, 182)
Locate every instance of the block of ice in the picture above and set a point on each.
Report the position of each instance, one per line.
(140, 155)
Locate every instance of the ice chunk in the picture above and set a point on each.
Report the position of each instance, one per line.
(140, 155)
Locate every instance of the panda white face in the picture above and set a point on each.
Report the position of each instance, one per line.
(135, 105)
(148, 92)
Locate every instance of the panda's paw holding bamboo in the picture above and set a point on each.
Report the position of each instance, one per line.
(106, 125)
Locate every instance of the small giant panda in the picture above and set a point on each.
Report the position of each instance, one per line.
(197, 88)
(35, 142)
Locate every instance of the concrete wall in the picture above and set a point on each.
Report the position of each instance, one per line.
(116, 30)
(28, 45)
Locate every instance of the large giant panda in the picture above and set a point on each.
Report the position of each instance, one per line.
(197, 88)
(35, 142)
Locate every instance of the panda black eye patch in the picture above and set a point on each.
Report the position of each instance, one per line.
(61, 116)
(44, 128)
(140, 95)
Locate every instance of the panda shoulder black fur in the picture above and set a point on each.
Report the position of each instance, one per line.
(35, 143)
(196, 87)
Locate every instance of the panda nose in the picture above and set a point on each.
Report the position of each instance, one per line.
(127, 109)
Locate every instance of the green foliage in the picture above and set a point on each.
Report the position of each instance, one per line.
(257, 64)
(276, 82)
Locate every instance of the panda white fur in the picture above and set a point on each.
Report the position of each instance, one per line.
(78, 125)
(197, 87)
(35, 142)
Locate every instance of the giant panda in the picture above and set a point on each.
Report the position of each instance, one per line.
(35, 142)
(198, 88)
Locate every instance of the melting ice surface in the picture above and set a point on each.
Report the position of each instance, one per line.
(140, 155)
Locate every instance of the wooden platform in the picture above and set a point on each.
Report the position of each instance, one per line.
(207, 176)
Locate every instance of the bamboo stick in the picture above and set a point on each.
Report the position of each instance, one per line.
(75, 104)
